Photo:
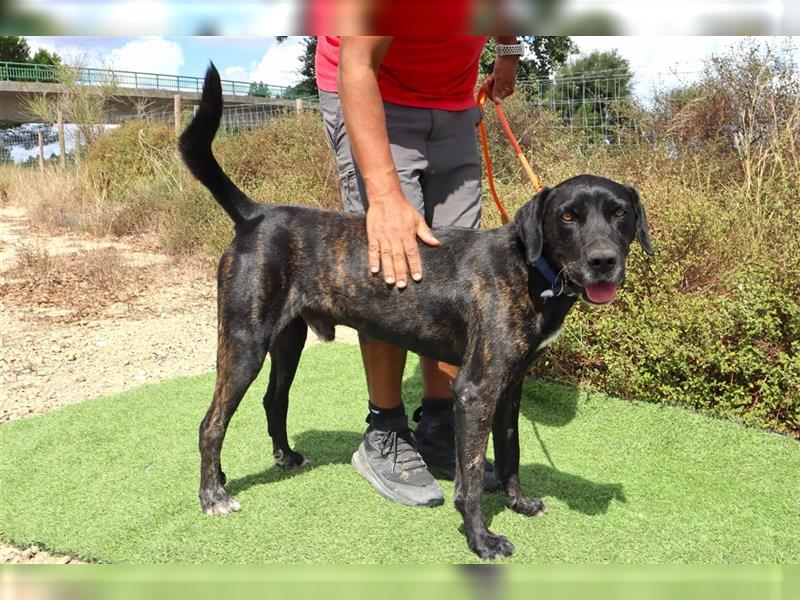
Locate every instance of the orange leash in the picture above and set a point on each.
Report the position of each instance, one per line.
(533, 177)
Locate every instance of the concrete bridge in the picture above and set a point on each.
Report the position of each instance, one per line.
(131, 90)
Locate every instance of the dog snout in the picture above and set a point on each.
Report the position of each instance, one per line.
(602, 260)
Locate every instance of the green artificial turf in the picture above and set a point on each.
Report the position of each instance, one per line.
(115, 479)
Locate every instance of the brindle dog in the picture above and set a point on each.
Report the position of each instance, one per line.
(489, 302)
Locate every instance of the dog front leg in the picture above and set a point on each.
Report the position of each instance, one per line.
(505, 433)
(474, 406)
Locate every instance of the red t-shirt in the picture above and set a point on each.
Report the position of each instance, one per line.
(438, 72)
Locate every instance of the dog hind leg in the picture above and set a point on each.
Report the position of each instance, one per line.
(285, 355)
(240, 355)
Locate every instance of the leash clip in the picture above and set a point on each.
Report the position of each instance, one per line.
(558, 286)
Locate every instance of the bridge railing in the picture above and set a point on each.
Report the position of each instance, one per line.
(10, 71)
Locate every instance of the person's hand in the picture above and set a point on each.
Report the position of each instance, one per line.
(500, 84)
(393, 226)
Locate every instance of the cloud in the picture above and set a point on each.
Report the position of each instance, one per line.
(278, 66)
(148, 16)
(84, 56)
(148, 55)
(236, 74)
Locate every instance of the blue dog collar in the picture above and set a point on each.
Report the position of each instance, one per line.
(558, 286)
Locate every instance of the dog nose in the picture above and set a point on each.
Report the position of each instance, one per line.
(602, 259)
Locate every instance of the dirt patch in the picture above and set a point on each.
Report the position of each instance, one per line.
(79, 285)
(34, 556)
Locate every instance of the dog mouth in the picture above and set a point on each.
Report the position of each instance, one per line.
(602, 292)
(599, 289)
(594, 288)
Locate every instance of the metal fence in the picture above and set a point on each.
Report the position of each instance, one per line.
(594, 103)
(607, 108)
(10, 71)
(235, 117)
(610, 107)
(20, 145)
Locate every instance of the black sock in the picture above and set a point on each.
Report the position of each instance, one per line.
(435, 406)
(387, 419)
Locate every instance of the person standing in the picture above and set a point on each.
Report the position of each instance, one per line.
(400, 116)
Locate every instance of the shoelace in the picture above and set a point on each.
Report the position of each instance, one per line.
(401, 446)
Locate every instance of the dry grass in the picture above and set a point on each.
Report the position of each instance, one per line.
(80, 284)
(54, 199)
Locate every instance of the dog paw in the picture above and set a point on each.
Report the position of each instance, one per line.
(218, 502)
(491, 546)
(290, 460)
(530, 507)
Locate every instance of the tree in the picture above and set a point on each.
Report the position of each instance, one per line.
(43, 57)
(259, 89)
(308, 84)
(14, 48)
(590, 93)
(545, 55)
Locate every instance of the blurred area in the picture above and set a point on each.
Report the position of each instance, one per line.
(479, 582)
(279, 17)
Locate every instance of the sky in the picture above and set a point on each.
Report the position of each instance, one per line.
(652, 58)
(241, 59)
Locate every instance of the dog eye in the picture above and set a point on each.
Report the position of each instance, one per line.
(620, 212)
(567, 217)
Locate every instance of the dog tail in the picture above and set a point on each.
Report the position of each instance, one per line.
(195, 148)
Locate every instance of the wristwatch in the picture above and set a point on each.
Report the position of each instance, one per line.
(510, 49)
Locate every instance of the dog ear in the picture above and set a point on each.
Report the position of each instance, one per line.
(642, 229)
(528, 221)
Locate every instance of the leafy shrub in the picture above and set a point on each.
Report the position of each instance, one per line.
(134, 171)
(713, 320)
(126, 154)
(286, 162)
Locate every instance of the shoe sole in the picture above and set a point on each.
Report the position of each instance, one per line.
(362, 467)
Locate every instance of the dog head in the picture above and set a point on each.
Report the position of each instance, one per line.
(584, 228)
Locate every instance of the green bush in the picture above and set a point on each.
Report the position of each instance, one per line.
(286, 162)
(731, 352)
(132, 151)
(134, 171)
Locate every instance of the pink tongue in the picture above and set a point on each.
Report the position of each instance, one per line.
(600, 293)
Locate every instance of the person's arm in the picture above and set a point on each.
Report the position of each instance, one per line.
(393, 224)
(500, 84)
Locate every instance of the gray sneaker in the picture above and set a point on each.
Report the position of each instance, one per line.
(391, 463)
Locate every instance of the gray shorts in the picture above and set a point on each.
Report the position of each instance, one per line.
(435, 153)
